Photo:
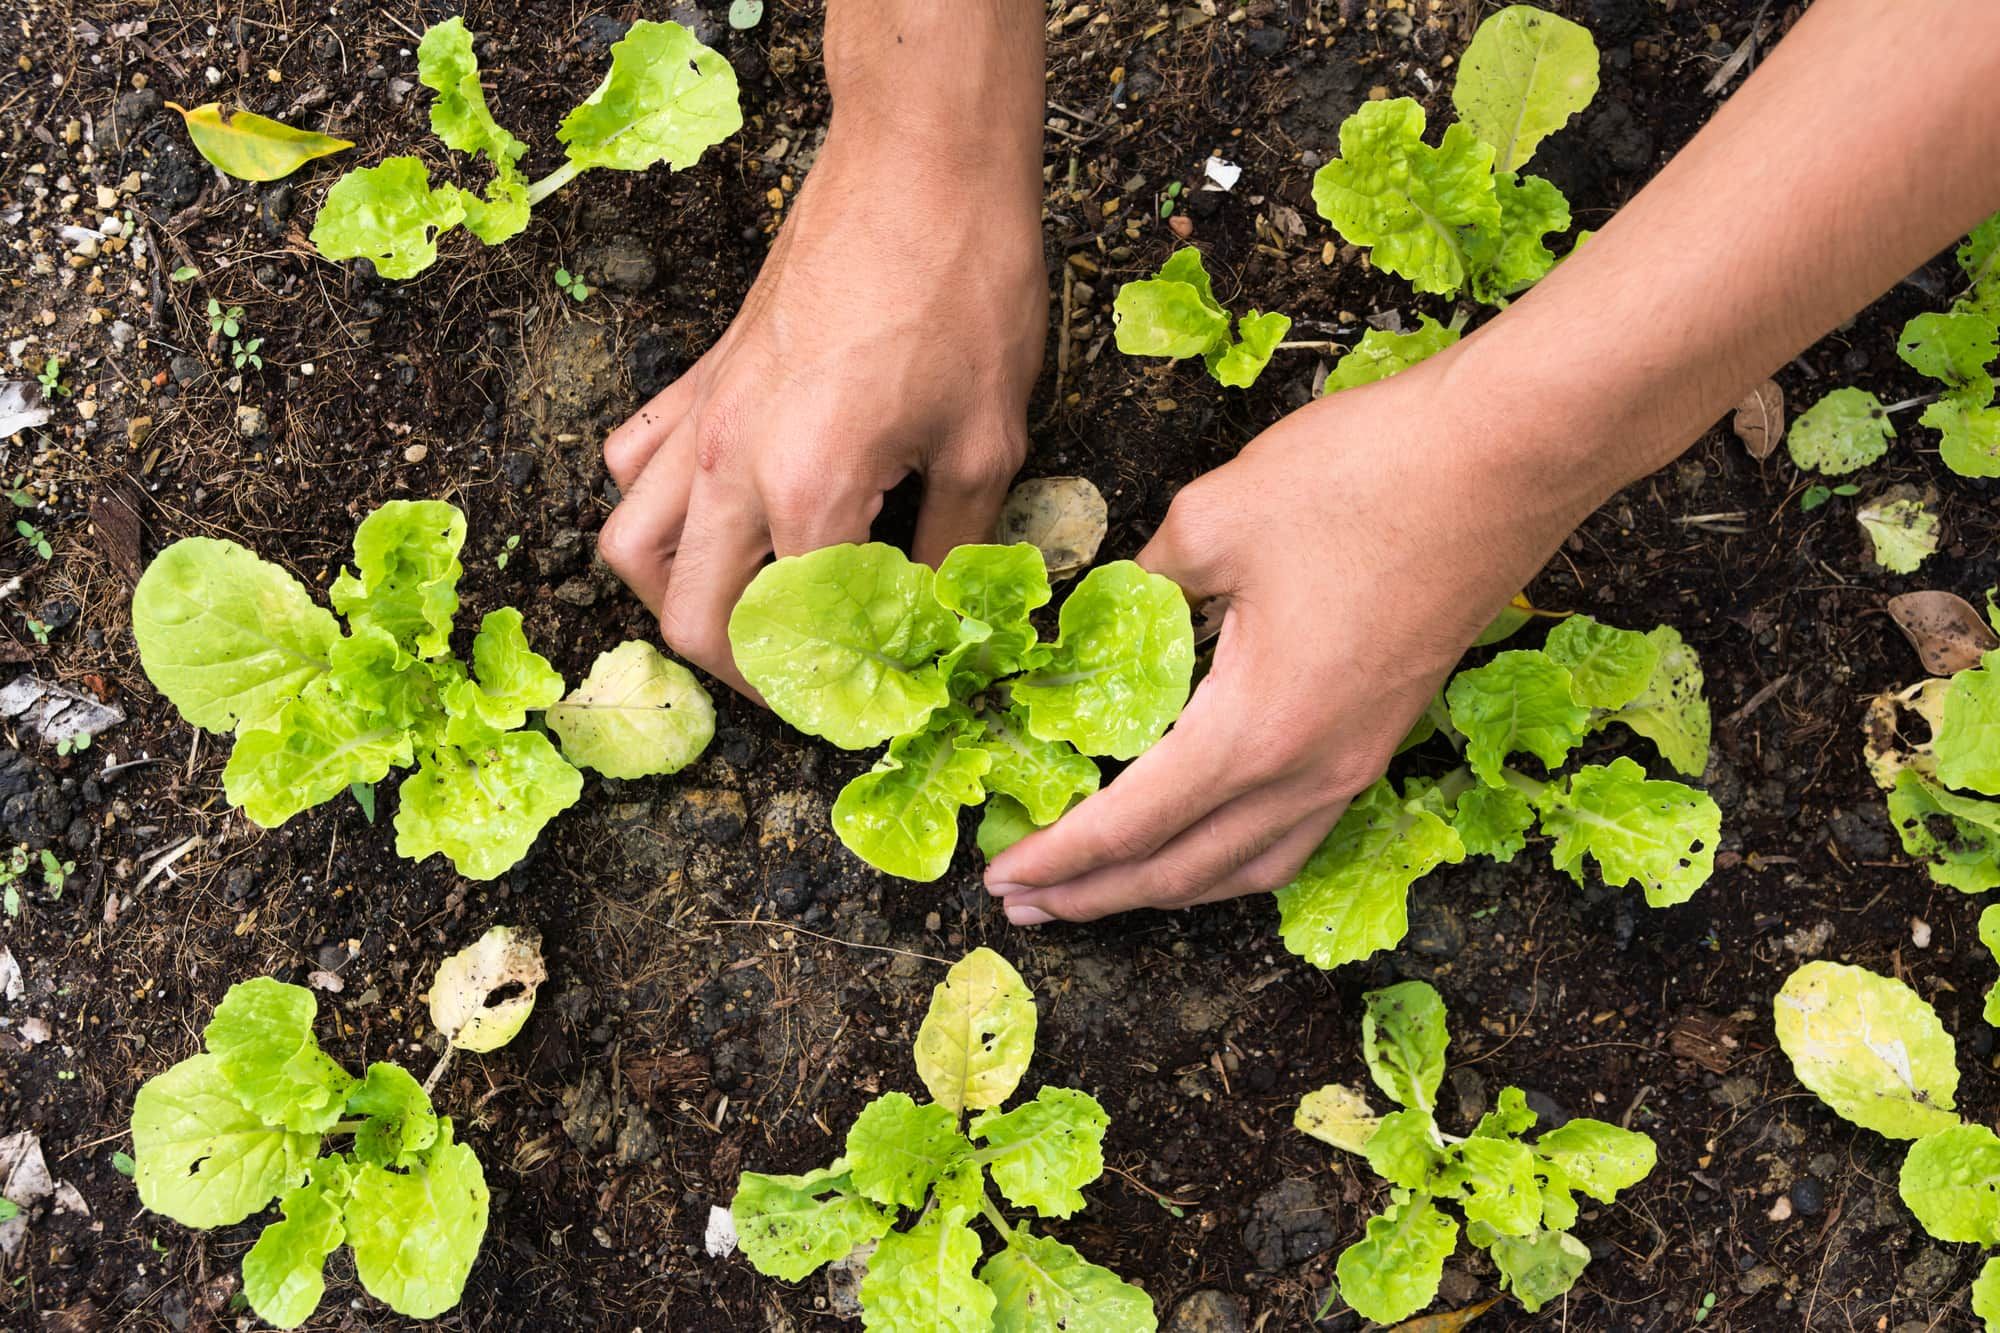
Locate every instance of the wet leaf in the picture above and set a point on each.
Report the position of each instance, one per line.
(1449, 1321)
(1760, 420)
(1948, 634)
(1063, 517)
(466, 997)
(251, 147)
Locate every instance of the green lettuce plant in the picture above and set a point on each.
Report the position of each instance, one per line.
(1518, 1198)
(667, 98)
(1175, 314)
(1382, 353)
(239, 646)
(860, 645)
(1352, 897)
(926, 1158)
(1460, 216)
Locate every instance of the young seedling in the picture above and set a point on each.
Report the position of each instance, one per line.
(1815, 496)
(50, 379)
(238, 645)
(1351, 899)
(35, 538)
(224, 322)
(76, 744)
(507, 549)
(55, 872)
(667, 98)
(1518, 1198)
(1175, 314)
(923, 1157)
(860, 645)
(571, 285)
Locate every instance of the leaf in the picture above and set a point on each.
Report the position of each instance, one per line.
(1044, 1152)
(482, 995)
(896, 1148)
(1953, 347)
(1405, 1150)
(1904, 532)
(1381, 354)
(1951, 1181)
(745, 14)
(901, 816)
(1967, 742)
(1671, 712)
(1337, 1114)
(637, 714)
(1518, 612)
(1494, 1181)
(1608, 667)
(995, 585)
(447, 65)
(1174, 314)
(1119, 672)
(1390, 190)
(1509, 258)
(228, 638)
(667, 98)
(261, 1036)
(317, 748)
(374, 678)
(1352, 897)
(1041, 1285)
(1659, 835)
(415, 1234)
(979, 1034)
(1948, 633)
(1596, 1158)
(1393, 1270)
(388, 215)
(250, 147)
(922, 1278)
(1448, 1321)
(790, 1225)
(1509, 1118)
(1403, 1039)
(483, 808)
(1986, 1293)
(1004, 823)
(283, 1274)
(1870, 1047)
(1971, 434)
(201, 1157)
(1237, 365)
(1759, 420)
(1847, 429)
(1045, 777)
(1523, 75)
(1959, 836)
(1493, 821)
(1062, 517)
(400, 1124)
(1541, 1267)
(842, 642)
(1521, 700)
(512, 681)
(407, 555)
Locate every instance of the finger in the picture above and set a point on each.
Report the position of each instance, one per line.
(806, 515)
(639, 539)
(1187, 549)
(963, 493)
(1279, 864)
(630, 448)
(720, 551)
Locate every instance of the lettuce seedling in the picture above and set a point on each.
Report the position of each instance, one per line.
(1381, 353)
(666, 99)
(1518, 1198)
(860, 645)
(1461, 216)
(239, 646)
(1175, 314)
(1352, 897)
(971, 1052)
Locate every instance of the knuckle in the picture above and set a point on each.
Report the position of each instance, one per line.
(715, 439)
(1268, 876)
(1123, 840)
(690, 638)
(618, 543)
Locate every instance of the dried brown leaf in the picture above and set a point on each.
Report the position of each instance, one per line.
(1945, 629)
(1064, 517)
(1760, 420)
(1450, 1321)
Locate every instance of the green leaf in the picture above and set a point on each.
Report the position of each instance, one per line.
(1540, 1267)
(896, 1148)
(407, 555)
(1044, 777)
(979, 1034)
(400, 1124)
(1041, 1154)
(1986, 1293)
(1845, 430)
(1405, 1149)
(204, 1159)
(1951, 1181)
(1959, 836)
(1390, 190)
(1339, 1115)
(1660, 835)
(1971, 431)
(790, 1225)
(1521, 700)
(995, 585)
(262, 1039)
(459, 116)
(319, 747)
(1967, 742)
(1509, 1118)
(1671, 711)
(1381, 354)
(388, 215)
(373, 676)
(283, 1274)
(1003, 824)
(1119, 672)
(513, 679)
(1955, 348)
(901, 816)
(1393, 1270)
(666, 99)
(1403, 1039)
(1352, 897)
(922, 1278)
(1238, 365)
(1493, 821)
(1597, 1158)
(1510, 258)
(1523, 75)
(1989, 935)
(637, 714)
(1494, 1181)
(1979, 260)
(842, 642)
(228, 638)
(1608, 667)
(1041, 1285)
(415, 1234)
(1870, 1048)
(250, 147)
(1903, 530)
(1174, 314)
(482, 808)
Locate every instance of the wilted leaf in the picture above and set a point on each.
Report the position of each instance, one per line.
(1450, 1321)
(22, 407)
(1902, 528)
(482, 995)
(1760, 420)
(54, 712)
(1888, 751)
(251, 147)
(1063, 517)
(1948, 634)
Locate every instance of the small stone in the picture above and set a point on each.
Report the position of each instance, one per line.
(186, 369)
(250, 422)
(121, 334)
(1207, 1311)
(274, 206)
(416, 453)
(578, 591)
(1920, 932)
(518, 466)
(1181, 225)
(1781, 1210)
(1264, 42)
(87, 408)
(1808, 1196)
(135, 109)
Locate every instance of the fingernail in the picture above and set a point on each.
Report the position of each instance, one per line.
(1002, 890)
(1022, 915)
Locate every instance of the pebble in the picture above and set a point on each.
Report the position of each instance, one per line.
(1181, 225)
(250, 422)
(1808, 1196)
(186, 369)
(1208, 1311)
(86, 408)
(416, 453)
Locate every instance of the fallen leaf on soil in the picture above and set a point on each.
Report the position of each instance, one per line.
(1710, 1040)
(1902, 528)
(1063, 517)
(251, 147)
(1339, 1115)
(1948, 634)
(21, 408)
(1448, 1322)
(482, 995)
(1760, 420)
(56, 713)
(114, 515)
(1888, 751)
(11, 985)
(24, 1182)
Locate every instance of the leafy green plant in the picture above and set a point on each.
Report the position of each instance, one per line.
(667, 98)
(1382, 353)
(860, 645)
(1461, 216)
(1518, 1198)
(971, 1052)
(1352, 897)
(50, 378)
(238, 645)
(224, 322)
(572, 286)
(1175, 314)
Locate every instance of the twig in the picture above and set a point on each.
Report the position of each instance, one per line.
(1757, 700)
(166, 861)
(834, 939)
(437, 1070)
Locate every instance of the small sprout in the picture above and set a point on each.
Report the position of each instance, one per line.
(507, 550)
(51, 378)
(1174, 314)
(121, 1162)
(1173, 195)
(186, 273)
(55, 873)
(34, 537)
(572, 285)
(1817, 495)
(9, 1210)
(69, 744)
(224, 322)
(40, 629)
(1705, 1309)
(364, 796)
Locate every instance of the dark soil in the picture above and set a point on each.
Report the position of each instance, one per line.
(727, 986)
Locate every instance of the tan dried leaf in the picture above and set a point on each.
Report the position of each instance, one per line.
(1760, 420)
(483, 994)
(1948, 634)
(1063, 517)
(1888, 751)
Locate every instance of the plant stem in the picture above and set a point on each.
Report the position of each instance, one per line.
(1310, 345)
(1524, 784)
(992, 1215)
(346, 1126)
(552, 182)
(1919, 401)
(437, 1070)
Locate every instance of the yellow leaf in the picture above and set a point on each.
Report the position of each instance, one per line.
(1448, 1322)
(251, 147)
(977, 1039)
